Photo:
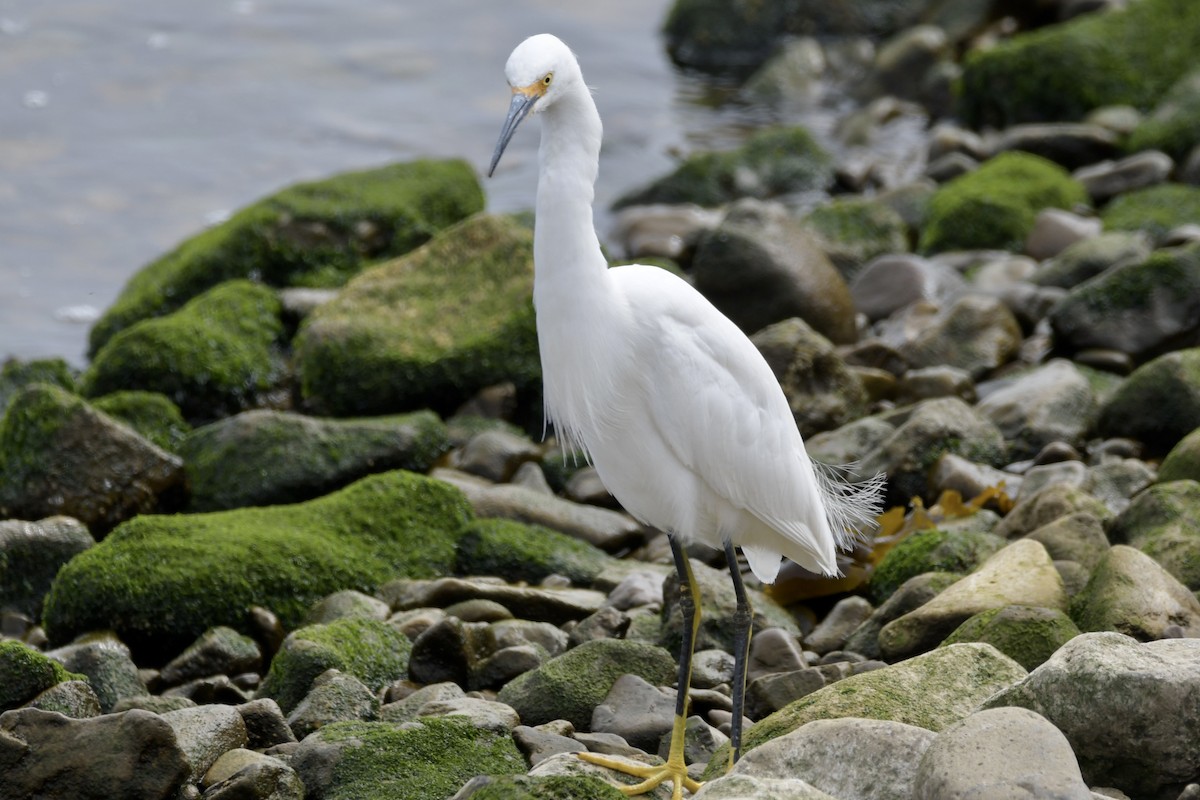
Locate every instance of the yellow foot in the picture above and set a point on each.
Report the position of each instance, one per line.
(652, 776)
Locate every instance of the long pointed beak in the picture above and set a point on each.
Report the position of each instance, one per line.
(518, 109)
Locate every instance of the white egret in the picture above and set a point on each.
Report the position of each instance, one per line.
(680, 414)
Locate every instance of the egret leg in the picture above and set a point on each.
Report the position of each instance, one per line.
(675, 770)
(741, 653)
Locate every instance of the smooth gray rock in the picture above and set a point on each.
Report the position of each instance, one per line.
(1055, 229)
(334, 697)
(1076, 537)
(976, 334)
(486, 714)
(839, 623)
(748, 787)
(637, 711)
(1053, 402)
(1107, 179)
(218, 651)
(204, 733)
(246, 775)
(1130, 592)
(1068, 143)
(538, 744)
(891, 282)
(265, 724)
(30, 556)
(73, 699)
(1089, 257)
(346, 603)
(495, 454)
(406, 710)
(108, 666)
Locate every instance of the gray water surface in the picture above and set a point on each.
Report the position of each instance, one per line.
(128, 125)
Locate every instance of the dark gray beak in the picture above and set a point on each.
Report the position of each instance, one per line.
(518, 109)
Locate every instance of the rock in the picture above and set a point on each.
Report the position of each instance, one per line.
(1054, 230)
(194, 572)
(1020, 573)
(995, 205)
(204, 733)
(154, 703)
(215, 689)
(929, 430)
(129, 756)
(637, 589)
(373, 349)
(346, 603)
(1115, 482)
(16, 375)
(1108, 179)
(60, 456)
(911, 594)
(1027, 634)
(450, 650)
(1100, 686)
(904, 61)
(478, 610)
(332, 697)
(791, 78)
(1011, 751)
(538, 744)
(1051, 403)
(263, 457)
(265, 724)
(821, 391)
(1113, 310)
(1070, 144)
(567, 766)
(950, 166)
(570, 686)
(244, 773)
(368, 650)
(518, 552)
(485, 714)
(219, 651)
(831, 634)
(1077, 537)
(1062, 474)
(1090, 257)
(635, 710)
(151, 414)
(849, 443)
(970, 479)
(931, 691)
(760, 266)
(31, 553)
(975, 334)
(662, 231)
(890, 282)
(73, 699)
(1129, 592)
(25, 673)
(929, 383)
(771, 162)
(1155, 211)
(405, 710)
(747, 787)
(1182, 463)
(555, 606)
(108, 666)
(1170, 385)
(931, 550)
(700, 741)
(771, 692)
(1045, 506)
(495, 454)
(528, 787)
(379, 759)
(852, 231)
(1171, 126)
(772, 651)
(844, 757)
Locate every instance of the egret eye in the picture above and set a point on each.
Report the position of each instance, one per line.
(546, 80)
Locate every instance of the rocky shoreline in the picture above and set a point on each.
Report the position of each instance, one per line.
(293, 531)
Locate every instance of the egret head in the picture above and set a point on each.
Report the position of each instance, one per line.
(540, 71)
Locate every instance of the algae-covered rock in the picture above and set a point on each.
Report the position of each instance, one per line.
(1089, 257)
(1061, 72)
(26, 673)
(162, 581)
(31, 554)
(1174, 125)
(216, 355)
(151, 414)
(854, 230)
(1051, 403)
(931, 691)
(1153, 211)
(429, 329)
(15, 375)
(1027, 634)
(772, 162)
(1159, 403)
(1164, 523)
(570, 686)
(995, 206)
(975, 334)
(1130, 593)
(370, 650)
(262, 457)
(1183, 462)
(60, 456)
(536, 787)
(311, 234)
(931, 551)
(517, 552)
(384, 761)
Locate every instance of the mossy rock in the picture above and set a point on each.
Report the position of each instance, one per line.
(995, 206)
(1027, 634)
(1154, 210)
(151, 414)
(1183, 462)
(384, 761)
(311, 234)
(25, 673)
(369, 649)
(570, 686)
(262, 457)
(852, 231)
(31, 554)
(215, 356)
(1061, 72)
(1164, 523)
(429, 329)
(1089, 257)
(547, 787)
(1159, 403)
(772, 162)
(931, 551)
(516, 552)
(16, 375)
(161, 581)
(1174, 125)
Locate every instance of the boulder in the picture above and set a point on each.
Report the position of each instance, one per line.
(1164, 523)
(975, 334)
(1051, 403)
(1129, 592)
(1170, 385)
(31, 554)
(151, 414)
(26, 673)
(1154, 211)
(1027, 634)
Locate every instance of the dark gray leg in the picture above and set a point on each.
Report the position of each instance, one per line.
(741, 652)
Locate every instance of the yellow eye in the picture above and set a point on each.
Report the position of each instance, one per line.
(549, 77)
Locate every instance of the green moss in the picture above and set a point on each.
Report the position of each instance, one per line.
(151, 414)
(1174, 127)
(1061, 72)
(161, 581)
(1164, 523)
(1183, 462)
(855, 230)
(369, 649)
(931, 551)
(310, 234)
(28, 429)
(26, 673)
(518, 552)
(429, 329)
(1159, 403)
(551, 787)
(1155, 210)
(382, 761)
(216, 355)
(1026, 634)
(268, 457)
(15, 375)
(772, 162)
(995, 206)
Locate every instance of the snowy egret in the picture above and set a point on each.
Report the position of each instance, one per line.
(680, 414)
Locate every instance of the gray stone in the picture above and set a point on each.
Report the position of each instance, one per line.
(257, 777)
(448, 651)
(661, 231)
(495, 454)
(911, 594)
(213, 689)
(1164, 523)
(108, 666)
(1070, 144)
(531, 476)
(1077, 537)
(748, 787)
(154, 703)
(405, 710)
(346, 603)
(206, 732)
(1107, 179)
(73, 699)
(839, 623)
(1013, 752)
(585, 486)
(30, 556)
(904, 60)
(478, 610)
(218, 651)
(929, 383)
(1051, 403)
(700, 741)
(970, 479)
(265, 724)
(975, 333)
(1090, 257)
(129, 756)
(637, 711)
(555, 606)
(791, 78)
(1061, 474)
(1116, 482)
(570, 765)
(1045, 506)
(1100, 686)
(637, 589)
(606, 623)
(333, 697)
(773, 691)
(538, 744)
(1055, 229)
(1129, 592)
(485, 714)
(891, 282)
(946, 168)
(849, 443)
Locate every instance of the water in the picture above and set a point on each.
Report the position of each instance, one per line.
(128, 125)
